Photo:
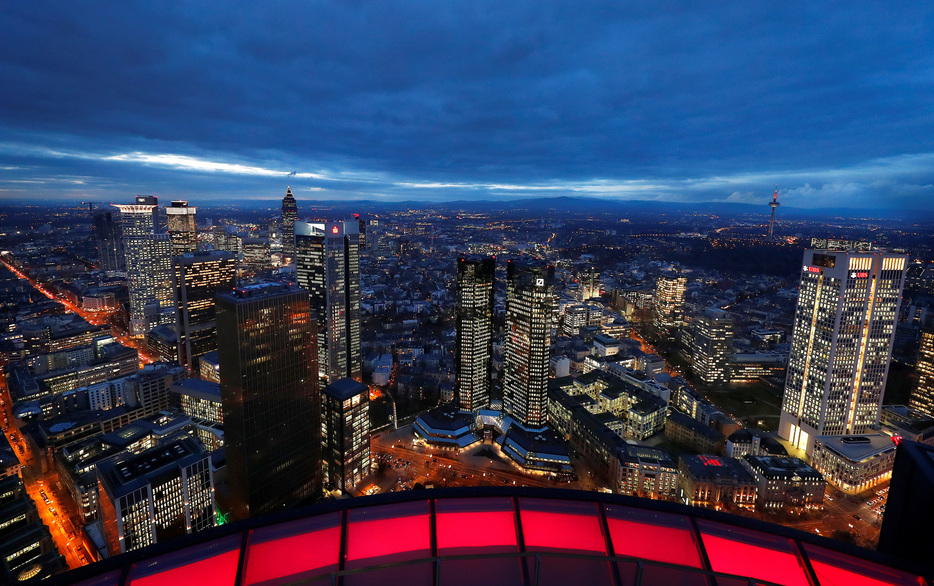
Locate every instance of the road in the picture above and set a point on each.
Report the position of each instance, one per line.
(56, 508)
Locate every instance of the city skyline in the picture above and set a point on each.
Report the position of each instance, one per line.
(673, 102)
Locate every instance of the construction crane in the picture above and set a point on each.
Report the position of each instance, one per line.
(90, 205)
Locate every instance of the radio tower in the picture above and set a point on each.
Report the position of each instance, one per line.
(773, 204)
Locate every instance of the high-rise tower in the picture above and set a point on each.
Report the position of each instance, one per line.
(109, 236)
(183, 227)
(148, 266)
(269, 391)
(327, 263)
(712, 346)
(473, 351)
(773, 204)
(197, 278)
(529, 299)
(289, 216)
(669, 303)
(842, 343)
(922, 396)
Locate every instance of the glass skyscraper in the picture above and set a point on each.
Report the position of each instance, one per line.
(183, 227)
(844, 327)
(269, 391)
(289, 216)
(327, 264)
(529, 301)
(197, 278)
(473, 351)
(148, 266)
(109, 236)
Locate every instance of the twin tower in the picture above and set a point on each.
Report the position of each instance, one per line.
(529, 310)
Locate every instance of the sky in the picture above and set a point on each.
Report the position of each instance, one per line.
(830, 102)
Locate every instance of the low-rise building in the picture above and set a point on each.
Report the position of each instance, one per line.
(690, 433)
(647, 472)
(854, 463)
(785, 483)
(716, 483)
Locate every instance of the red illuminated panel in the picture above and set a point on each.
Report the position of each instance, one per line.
(836, 568)
(402, 532)
(577, 529)
(293, 550)
(475, 524)
(659, 537)
(752, 553)
(190, 567)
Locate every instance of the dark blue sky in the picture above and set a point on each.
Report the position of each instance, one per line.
(678, 101)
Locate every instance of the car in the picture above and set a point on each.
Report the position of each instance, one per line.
(856, 517)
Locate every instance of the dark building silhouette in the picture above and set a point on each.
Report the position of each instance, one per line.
(909, 509)
(289, 215)
(109, 236)
(473, 352)
(269, 389)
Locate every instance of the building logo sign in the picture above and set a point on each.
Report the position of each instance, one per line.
(539, 282)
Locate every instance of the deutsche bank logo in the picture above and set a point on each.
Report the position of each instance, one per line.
(540, 282)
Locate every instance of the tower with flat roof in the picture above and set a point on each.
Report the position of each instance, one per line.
(183, 227)
(844, 327)
(473, 350)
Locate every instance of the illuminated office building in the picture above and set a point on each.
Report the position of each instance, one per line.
(183, 227)
(197, 278)
(922, 396)
(345, 416)
(269, 389)
(473, 351)
(327, 264)
(529, 296)
(289, 216)
(148, 266)
(669, 303)
(712, 346)
(841, 344)
(589, 280)
(160, 494)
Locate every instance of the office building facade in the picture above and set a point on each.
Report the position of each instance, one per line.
(712, 347)
(529, 299)
(473, 351)
(669, 303)
(922, 396)
(844, 328)
(345, 432)
(197, 277)
(327, 263)
(267, 351)
(183, 227)
(148, 265)
(160, 494)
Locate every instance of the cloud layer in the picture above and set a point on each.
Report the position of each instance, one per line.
(418, 100)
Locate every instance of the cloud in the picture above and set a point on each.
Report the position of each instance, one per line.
(672, 100)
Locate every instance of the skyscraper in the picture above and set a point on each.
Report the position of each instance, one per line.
(109, 237)
(269, 390)
(183, 227)
(922, 396)
(289, 216)
(197, 278)
(842, 343)
(473, 351)
(346, 433)
(589, 279)
(712, 346)
(529, 292)
(327, 263)
(148, 266)
(669, 303)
